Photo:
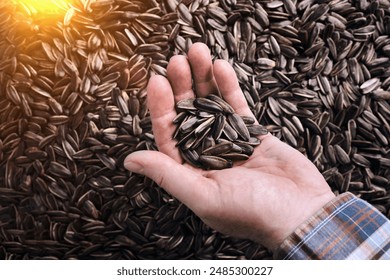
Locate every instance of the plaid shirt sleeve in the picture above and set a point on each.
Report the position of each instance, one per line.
(345, 228)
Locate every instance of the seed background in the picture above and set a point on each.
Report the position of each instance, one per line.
(72, 106)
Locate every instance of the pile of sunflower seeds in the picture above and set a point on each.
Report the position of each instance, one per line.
(73, 106)
(210, 135)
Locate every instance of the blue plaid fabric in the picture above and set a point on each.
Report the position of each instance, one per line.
(345, 228)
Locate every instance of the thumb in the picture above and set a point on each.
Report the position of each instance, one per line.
(185, 184)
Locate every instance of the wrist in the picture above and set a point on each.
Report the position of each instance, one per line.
(306, 210)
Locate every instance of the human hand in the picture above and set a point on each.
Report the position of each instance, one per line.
(264, 198)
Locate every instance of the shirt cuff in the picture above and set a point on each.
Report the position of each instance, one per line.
(345, 228)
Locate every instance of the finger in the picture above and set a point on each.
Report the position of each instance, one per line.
(179, 75)
(162, 112)
(230, 90)
(202, 70)
(186, 185)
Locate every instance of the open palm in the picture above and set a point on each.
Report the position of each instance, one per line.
(264, 198)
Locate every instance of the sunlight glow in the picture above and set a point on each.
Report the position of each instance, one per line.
(43, 6)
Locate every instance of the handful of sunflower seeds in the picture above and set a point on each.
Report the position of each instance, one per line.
(210, 135)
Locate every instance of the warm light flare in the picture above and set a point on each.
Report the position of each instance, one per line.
(43, 6)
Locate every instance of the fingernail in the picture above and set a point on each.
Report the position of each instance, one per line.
(132, 165)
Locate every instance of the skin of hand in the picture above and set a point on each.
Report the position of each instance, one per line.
(264, 198)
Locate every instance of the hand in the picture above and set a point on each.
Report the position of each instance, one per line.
(264, 198)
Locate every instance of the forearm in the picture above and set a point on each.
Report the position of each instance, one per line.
(345, 228)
